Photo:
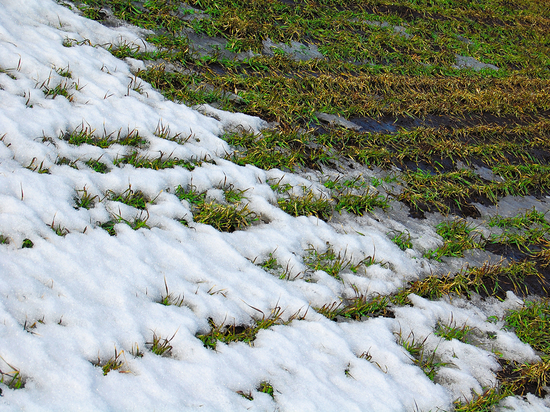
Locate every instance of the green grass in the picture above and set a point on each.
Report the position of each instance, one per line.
(84, 199)
(243, 333)
(12, 379)
(115, 363)
(161, 346)
(458, 236)
(87, 135)
(155, 163)
(97, 166)
(487, 280)
(130, 197)
(484, 402)
(139, 222)
(11, 376)
(401, 239)
(307, 205)
(360, 204)
(368, 70)
(451, 330)
(266, 387)
(169, 299)
(27, 244)
(333, 263)
(272, 265)
(224, 217)
(420, 355)
(532, 324)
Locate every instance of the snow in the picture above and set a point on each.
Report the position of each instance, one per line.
(89, 294)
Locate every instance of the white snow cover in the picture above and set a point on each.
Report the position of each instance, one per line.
(89, 294)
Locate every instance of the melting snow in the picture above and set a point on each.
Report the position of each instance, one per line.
(88, 293)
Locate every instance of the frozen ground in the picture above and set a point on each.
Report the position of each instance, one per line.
(70, 302)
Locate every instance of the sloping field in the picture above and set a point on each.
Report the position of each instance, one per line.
(274, 205)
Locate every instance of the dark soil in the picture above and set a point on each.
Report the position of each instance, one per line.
(508, 373)
(392, 124)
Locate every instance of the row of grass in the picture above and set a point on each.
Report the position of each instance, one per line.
(528, 234)
(346, 30)
(291, 92)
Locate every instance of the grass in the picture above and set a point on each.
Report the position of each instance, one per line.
(531, 324)
(224, 217)
(163, 131)
(63, 88)
(169, 299)
(27, 244)
(487, 280)
(97, 166)
(359, 204)
(401, 239)
(266, 387)
(307, 205)
(39, 168)
(115, 363)
(84, 199)
(272, 265)
(526, 231)
(86, 135)
(129, 197)
(484, 402)
(243, 333)
(333, 263)
(458, 236)
(12, 378)
(451, 330)
(420, 355)
(155, 163)
(382, 74)
(139, 222)
(59, 230)
(360, 307)
(161, 346)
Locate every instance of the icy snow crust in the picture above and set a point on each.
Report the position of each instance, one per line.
(93, 292)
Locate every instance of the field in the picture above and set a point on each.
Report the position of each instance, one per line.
(355, 206)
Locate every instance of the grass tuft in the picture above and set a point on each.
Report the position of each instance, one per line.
(401, 239)
(157, 163)
(487, 280)
(243, 333)
(85, 199)
(458, 235)
(27, 244)
(129, 197)
(115, 363)
(333, 263)
(266, 387)
(531, 324)
(11, 378)
(450, 331)
(307, 205)
(421, 357)
(161, 346)
(169, 299)
(223, 217)
(86, 135)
